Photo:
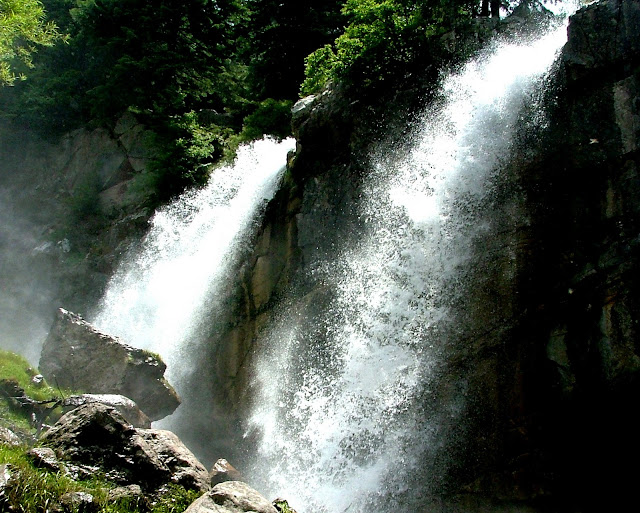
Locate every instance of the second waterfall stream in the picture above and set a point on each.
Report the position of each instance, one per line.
(344, 424)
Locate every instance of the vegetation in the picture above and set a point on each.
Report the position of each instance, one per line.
(23, 29)
(206, 75)
(384, 38)
(16, 369)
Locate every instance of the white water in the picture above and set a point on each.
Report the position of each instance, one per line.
(161, 291)
(340, 413)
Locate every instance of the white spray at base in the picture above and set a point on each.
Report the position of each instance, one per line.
(340, 420)
(156, 298)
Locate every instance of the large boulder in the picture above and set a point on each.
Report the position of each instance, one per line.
(77, 356)
(95, 434)
(232, 497)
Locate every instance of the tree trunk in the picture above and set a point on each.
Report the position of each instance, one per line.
(484, 11)
(495, 8)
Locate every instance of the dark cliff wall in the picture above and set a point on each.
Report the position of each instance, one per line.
(548, 347)
(578, 273)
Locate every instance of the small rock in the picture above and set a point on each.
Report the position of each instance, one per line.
(131, 493)
(223, 471)
(8, 437)
(232, 497)
(6, 475)
(127, 407)
(79, 502)
(44, 457)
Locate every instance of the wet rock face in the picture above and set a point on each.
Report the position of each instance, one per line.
(77, 356)
(572, 362)
(552, 360)
(97, 435)
(602, 36)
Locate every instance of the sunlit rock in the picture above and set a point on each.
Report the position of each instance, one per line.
(8, 437)
(232, 497)
(127, 408)
(44, 457)
(81, 502)
(79, 357)
(223, 471)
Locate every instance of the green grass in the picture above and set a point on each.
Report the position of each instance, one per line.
(14, 366)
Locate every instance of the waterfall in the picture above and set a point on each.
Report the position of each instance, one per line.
(343, 416)
(163, 291)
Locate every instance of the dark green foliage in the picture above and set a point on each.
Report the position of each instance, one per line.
(385, 38)
(204, 75)
(281, 33)
(271, 117)
(164, 60)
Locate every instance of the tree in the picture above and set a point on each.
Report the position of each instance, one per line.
(23, 28)
(383, 39)
(495, 8)
(280, 34)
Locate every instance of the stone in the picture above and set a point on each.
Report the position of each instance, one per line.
(45, 457)
(6, 475)
(131, 493)
(79, 502)
(602, 35)
(231, 497)
(78, 356)
(185, 468)
(8, 437)
(96, 434)
(223, 471)
(127, 408)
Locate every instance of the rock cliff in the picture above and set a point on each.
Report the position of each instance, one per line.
(548, 342)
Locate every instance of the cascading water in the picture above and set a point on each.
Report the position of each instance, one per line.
(165, 289)
(342, 414)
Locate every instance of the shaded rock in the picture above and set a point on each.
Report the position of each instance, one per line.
(127, 408)
(185, 468)
(78, 356)
(231, 497)
(79, 502)
(601, 36)
(44, 457)
(130, 492)
(223, 471)
(96, 434)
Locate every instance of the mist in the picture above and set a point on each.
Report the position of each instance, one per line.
(29, 253)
